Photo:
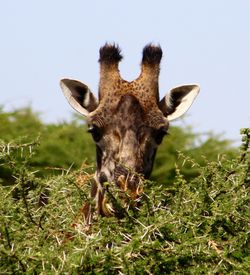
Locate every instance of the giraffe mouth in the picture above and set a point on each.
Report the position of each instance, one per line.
(127, 195)
(129, 182)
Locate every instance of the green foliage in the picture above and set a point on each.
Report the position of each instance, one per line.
(22, 123)
(195, 225)
(62, 146)
(187, 143)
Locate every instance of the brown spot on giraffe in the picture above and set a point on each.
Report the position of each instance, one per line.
(127, 122)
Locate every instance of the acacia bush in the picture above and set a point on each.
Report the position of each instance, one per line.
(61, 146)
(197, 224)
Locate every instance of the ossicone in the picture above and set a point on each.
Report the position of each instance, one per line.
(110, 53)
(151, 54)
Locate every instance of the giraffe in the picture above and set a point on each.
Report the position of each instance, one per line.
(127, 122)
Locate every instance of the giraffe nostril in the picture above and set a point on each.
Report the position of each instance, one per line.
(102, 177)
(120, 170)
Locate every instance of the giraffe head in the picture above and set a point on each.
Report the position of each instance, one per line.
(127, 121)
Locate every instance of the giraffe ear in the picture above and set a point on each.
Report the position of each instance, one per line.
(79, 96)
(178, 101)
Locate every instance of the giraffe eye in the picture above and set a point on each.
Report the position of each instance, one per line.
(96, 132)
(159, 135)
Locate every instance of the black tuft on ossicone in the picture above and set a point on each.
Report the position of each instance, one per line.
(151, 54)
(110, 53)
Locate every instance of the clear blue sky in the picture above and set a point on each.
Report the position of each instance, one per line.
(205, 42)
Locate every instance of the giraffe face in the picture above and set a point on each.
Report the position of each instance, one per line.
(126, 141)
(127, 121)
